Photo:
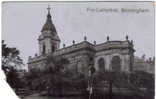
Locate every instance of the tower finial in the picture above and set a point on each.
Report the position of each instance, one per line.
(48, 9)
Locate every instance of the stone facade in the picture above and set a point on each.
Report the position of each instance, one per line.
(146, 65)
(110, 55)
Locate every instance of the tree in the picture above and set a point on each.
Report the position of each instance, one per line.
(132, 82)
(141, 79)
(10, 57)
(10, 61)
(56, 69)
(52, 78)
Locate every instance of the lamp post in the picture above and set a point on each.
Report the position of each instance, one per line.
(90, 82)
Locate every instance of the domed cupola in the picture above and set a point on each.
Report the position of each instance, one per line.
(49, 41)
(49, 26)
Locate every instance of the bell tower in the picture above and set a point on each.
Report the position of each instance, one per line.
(49, 41)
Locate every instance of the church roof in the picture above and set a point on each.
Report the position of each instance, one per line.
(48, 25)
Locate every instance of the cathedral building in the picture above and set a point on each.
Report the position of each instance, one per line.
(109, 55)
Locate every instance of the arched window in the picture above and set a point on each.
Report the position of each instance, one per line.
(116, 63)
(44, 49)
(101, 64)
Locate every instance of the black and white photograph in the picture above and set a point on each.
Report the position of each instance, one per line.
(79, 50)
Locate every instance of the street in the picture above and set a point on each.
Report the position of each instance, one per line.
(36, 96)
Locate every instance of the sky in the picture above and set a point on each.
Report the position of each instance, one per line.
(22, 23)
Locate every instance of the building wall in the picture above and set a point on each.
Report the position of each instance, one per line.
(79, 61)
(79, 57)
(47, 43)
(38, 62)
(108, 55)
(140, 64)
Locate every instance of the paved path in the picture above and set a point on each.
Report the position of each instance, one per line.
(36, 96)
